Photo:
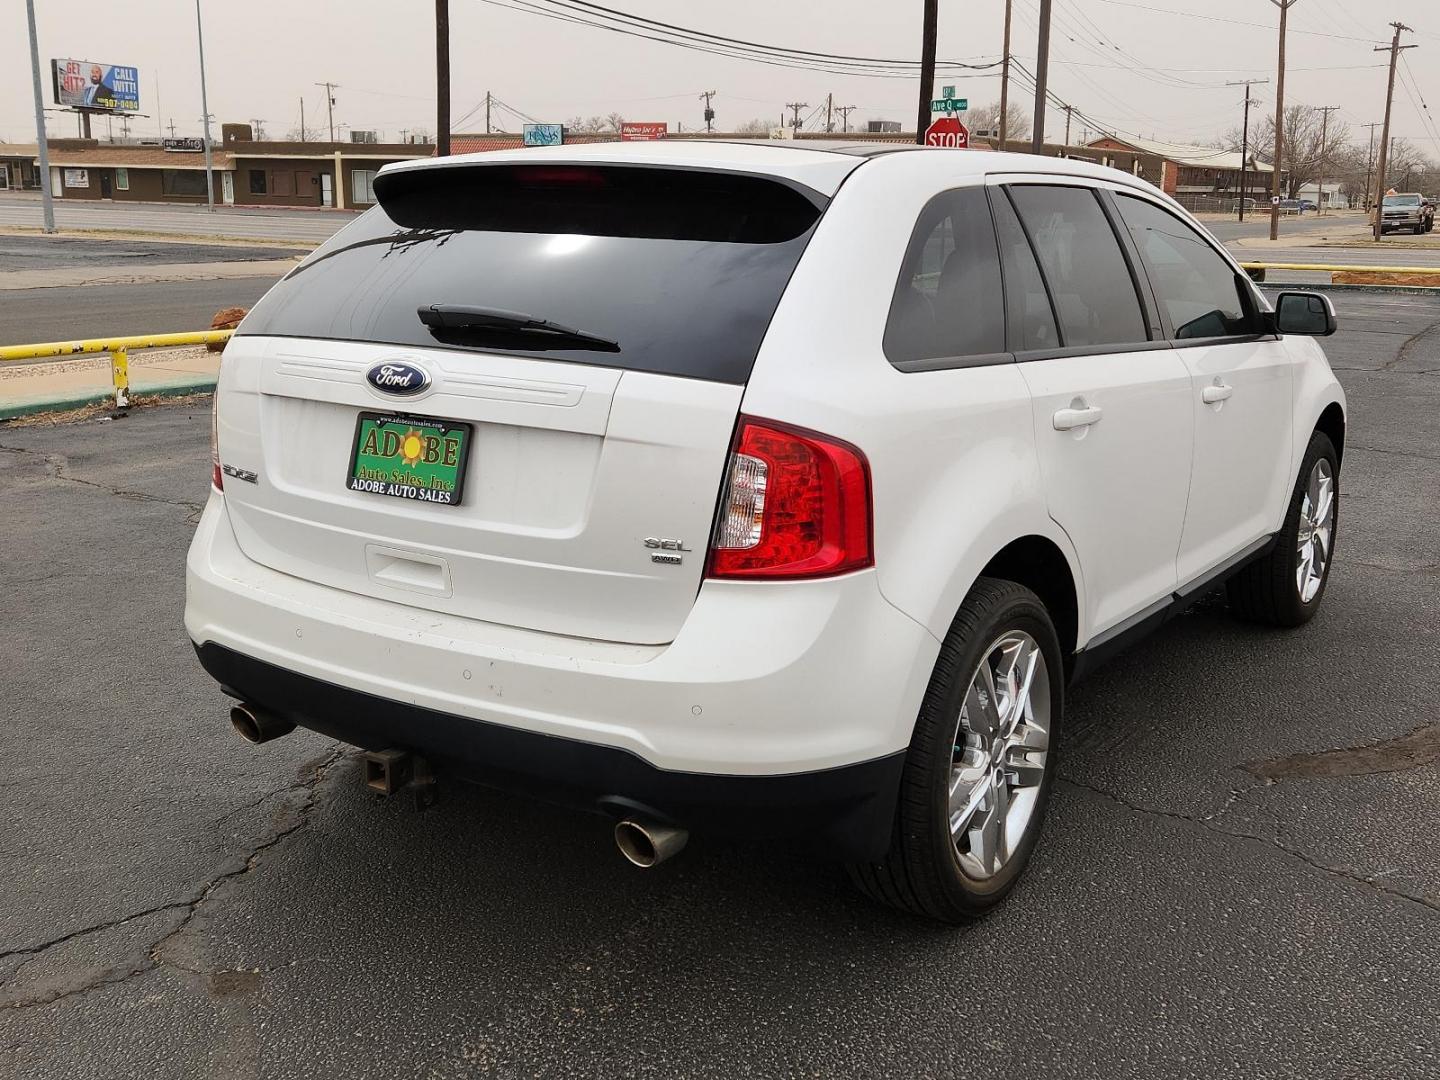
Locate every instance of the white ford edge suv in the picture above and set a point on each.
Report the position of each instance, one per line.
(762, 490)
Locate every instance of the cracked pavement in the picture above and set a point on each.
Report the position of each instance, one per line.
(1240, 875)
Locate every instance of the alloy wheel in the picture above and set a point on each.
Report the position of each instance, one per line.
(1002, 740)
(1316, 532)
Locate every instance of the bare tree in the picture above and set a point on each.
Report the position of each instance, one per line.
(587, 125)
(1303, 131)
(1017, 126)
(1408, 168)
(613, 122)
(754, 127)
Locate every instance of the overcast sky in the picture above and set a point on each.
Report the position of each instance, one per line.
(1128, 63)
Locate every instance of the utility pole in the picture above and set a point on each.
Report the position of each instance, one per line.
(929, 21)
(172, 127)
(829, 110)
(1005, 79)
(487, 112)
(47, 199)
(1068, 110)
(795, 107)
(709, 112)
(1369, 166)
(205, 108)
(258, 127)
(1284, 6)
(1325, 111)
(844, 111)
(330, 89)
(1245, 141)
(302, 118)
(442, 78)
(1394, 48)
(1042, 76)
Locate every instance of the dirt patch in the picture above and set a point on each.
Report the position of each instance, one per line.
(1420, 747)
(106, 410)
(1372, 277)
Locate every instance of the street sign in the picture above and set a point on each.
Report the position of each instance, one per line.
(543, 134)
(949, 103)
(948, 131)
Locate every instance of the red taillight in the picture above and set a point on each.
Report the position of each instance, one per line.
(217, 477)
(796, 504)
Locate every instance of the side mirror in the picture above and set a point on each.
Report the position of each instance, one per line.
(1306, 313)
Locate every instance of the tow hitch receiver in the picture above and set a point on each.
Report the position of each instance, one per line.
(388, 772)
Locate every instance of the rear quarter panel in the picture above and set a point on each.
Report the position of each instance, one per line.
(952, 454)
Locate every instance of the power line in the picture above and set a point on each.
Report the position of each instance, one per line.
(774, 56)
(1232, 22)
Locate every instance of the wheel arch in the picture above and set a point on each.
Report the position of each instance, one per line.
(1332, 423)
(1038, 563)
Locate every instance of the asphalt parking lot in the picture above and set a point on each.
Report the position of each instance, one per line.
(1240, 875)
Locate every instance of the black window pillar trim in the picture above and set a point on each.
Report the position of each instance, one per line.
(1157, 322)
(1039, 269)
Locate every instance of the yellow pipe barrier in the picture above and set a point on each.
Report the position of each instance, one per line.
(119, 349)
(1331, 268)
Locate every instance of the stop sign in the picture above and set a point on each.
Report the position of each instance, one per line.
(948, 131)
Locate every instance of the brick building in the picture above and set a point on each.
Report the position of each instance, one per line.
(1198, 177)
(246, 172)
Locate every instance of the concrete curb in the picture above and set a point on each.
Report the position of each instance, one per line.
(34, 408)
(1317, 286)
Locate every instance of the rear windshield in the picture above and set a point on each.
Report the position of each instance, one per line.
(665, 270)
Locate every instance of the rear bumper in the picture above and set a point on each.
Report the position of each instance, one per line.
(779, 708)
(845, 812)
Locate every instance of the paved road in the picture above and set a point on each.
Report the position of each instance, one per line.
(1306, 225)
(24, 252)
(1204, 905)
(248, 223)
(68, 314)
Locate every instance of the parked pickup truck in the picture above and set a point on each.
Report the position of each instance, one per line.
(1409, 210)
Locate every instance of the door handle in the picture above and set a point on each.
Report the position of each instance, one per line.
(1216, 393)
(1069, 419)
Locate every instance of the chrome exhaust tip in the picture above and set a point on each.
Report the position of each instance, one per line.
(255, 725)
(646, 844)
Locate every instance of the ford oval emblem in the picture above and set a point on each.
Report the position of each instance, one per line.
(398, 377)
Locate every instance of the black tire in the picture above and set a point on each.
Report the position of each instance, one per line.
(922, 871)
(1266, 591)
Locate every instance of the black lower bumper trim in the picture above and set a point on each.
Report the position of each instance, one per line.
(844, 812)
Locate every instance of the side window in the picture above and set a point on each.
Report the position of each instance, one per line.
(1202, 294)
(948, 300)
(1032, 320)
(1094, 295)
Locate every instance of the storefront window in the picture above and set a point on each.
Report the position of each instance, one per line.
(183, 182)
(361, 186)
(122, 179)
(257, 182)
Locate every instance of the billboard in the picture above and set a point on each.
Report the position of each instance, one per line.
(543, 134)
(641, 131)
(80, 84)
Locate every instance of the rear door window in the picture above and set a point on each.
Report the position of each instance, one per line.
(675, 271)
(948, 300)
(1199, 290)
(1090, 284)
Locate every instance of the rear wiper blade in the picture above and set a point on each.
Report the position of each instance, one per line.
(466, 317)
